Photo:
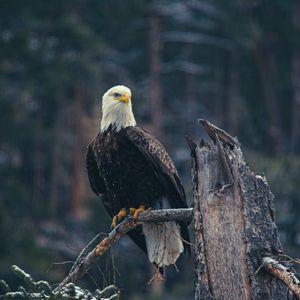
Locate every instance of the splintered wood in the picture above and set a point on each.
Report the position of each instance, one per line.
(233, 222)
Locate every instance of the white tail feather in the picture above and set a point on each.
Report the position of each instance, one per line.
(163, 241)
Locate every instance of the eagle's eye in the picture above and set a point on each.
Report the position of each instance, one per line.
(116, 95)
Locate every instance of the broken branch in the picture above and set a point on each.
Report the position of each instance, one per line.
(82, 266)
(165, 215)
(282, 273)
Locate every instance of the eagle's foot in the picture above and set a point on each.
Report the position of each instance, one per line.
(136, 211)
(118, 217)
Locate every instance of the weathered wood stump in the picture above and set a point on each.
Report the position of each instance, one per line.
(234, 224)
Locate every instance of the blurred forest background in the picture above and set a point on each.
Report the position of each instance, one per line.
(235, 63)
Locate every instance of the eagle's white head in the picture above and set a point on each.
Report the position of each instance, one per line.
(117, 108)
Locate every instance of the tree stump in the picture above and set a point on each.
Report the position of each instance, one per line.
(234, 224)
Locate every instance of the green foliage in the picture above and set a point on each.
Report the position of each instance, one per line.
(42, 290)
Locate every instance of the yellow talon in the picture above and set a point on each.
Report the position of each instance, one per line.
(132, 210)
(135, 212)
(118, 217)
(138, 211)
(114, 222)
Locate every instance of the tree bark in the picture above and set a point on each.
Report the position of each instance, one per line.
(234, 224)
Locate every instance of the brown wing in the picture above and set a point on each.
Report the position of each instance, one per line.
(96, 181)
(161, 164)
(163, 167)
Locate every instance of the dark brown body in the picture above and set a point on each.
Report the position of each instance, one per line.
(130, 168)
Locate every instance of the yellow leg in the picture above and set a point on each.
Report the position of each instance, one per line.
(119, 217)
(136, 211)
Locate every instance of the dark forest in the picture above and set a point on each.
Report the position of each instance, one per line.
(234, 63)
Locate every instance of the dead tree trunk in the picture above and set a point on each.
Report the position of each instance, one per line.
(234, 224)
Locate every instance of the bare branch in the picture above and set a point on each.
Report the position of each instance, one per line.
(82, 266)
(165, 215)
(282, 273)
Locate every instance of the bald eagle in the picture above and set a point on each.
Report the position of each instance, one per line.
(130, 169)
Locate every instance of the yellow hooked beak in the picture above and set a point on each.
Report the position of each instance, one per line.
(124, 98)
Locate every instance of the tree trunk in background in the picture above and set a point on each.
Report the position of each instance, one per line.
(39, 174)
(191, 106)
(59, 182)
(234, 224)
(295, 134)
(218, 108)
(295, 113)
(233, 96)
(267, 66)
(155, 90)
(190, 109)
(77, 157)
(54, 181)
(56, 163)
